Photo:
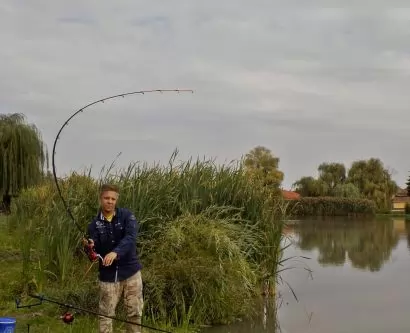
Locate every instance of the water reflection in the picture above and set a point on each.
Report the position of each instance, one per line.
(358, 280)
(366, 244)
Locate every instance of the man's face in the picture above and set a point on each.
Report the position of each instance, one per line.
(108, 200)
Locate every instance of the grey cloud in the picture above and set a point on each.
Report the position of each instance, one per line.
(159, 21)
(315, 82)
(77, 19)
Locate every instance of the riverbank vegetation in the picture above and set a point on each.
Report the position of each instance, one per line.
(208, 240)
(330, 206)
(209, 237)
(365, 179)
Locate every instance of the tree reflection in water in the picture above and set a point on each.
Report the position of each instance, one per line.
(367, 244)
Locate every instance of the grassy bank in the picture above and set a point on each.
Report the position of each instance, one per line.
(208, 240)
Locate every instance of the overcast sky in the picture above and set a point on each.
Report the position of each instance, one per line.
(311, 83)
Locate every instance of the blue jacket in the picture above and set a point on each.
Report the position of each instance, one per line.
(117, 236)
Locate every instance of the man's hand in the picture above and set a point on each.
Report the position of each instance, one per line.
(109, 258)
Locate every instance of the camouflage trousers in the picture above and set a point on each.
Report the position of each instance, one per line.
(110, 294)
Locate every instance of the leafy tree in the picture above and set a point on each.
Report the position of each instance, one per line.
(261, 164)
(347, 190)
(373, 181)
(365, 179)
(311, 187)
(332, 174)
(23, 155)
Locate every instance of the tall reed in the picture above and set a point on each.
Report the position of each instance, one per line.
(208, 237)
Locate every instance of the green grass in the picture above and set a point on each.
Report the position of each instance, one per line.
(41, 319)
(46, 317)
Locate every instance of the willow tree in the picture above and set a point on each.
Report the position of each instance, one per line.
(374, 181)
(311, 187)
(22, 156)
(333, 174)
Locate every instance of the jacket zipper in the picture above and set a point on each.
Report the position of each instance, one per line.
(116, 273)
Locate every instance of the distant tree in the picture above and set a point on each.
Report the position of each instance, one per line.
(23, 155)
(373, 180)
(261, 164)
(347, 190)
(311, 187)
(332, 174)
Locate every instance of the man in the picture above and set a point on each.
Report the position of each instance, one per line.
(113, 234)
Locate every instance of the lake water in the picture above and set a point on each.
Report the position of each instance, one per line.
(357, 279)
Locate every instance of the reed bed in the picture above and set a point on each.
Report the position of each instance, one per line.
(331, 206)
(209, 238)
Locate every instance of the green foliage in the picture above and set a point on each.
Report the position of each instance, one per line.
(373, 181)
(46, 318)
(330, 206)
(261, 165)
(408, 186)
(367, 179)
(347, 190)
(311, 187)
(332, 174)
(208, 237)
(200, 261)
(22, 152)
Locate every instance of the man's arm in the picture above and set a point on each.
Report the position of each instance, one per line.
(131, 226)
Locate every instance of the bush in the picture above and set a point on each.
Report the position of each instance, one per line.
(208, 238)
(330, 206)
(199, 264)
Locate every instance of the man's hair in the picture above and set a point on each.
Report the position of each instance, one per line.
(109, 187)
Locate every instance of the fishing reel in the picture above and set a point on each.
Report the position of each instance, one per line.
(67, 317)
(91, 253)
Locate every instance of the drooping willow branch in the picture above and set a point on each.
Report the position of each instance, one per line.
(22, 154)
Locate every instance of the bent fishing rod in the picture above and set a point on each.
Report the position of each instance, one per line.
(68, 318)
(66, 206)
(92, 255)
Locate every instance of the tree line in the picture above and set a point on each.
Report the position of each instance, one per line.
(24, 156)
(365, 179)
